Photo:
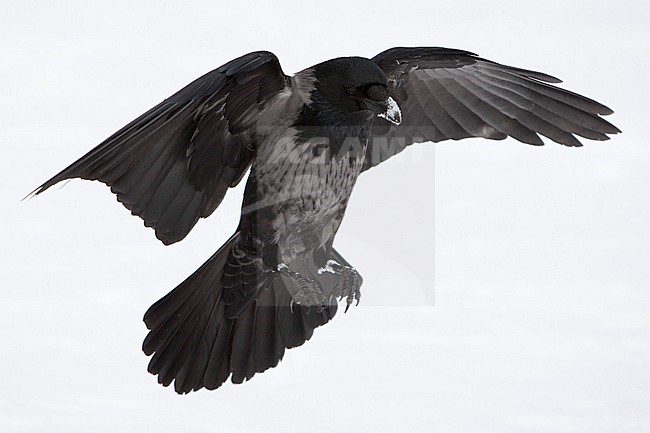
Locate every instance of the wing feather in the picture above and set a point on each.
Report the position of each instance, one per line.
(493, 111)
(452, 94)
(174, 163)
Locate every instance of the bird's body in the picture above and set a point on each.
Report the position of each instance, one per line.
(308, 196)
(306, 139)
(298, 187)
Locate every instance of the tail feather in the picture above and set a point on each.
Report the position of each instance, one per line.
(241, 346)
(218, 367)
(196, 343)
(267, 343)
(192, 370)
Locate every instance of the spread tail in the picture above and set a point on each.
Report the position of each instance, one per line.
(230, 317)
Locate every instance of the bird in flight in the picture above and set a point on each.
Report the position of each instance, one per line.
(305, 139)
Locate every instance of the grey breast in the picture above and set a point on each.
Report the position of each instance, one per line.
(308, 189)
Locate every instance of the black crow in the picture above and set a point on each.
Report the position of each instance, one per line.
(305, 139)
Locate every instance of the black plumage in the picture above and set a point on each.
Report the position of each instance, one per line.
(305, 139)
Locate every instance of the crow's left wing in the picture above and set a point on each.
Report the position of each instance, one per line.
(452, 94)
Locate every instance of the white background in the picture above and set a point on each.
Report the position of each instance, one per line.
(541, 315)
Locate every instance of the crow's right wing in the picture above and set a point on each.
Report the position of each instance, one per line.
(174, 164)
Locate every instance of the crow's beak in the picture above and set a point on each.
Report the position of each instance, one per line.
(393, 114)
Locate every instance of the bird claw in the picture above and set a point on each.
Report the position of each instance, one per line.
(310, 292)
(350, 299)
(349, 285)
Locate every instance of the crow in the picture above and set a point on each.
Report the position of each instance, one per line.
(305, 138)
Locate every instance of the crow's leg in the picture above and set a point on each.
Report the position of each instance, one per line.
(349, 285)
(309, 294)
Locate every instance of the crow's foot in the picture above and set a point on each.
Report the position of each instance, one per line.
(310, 292)
(349, 285)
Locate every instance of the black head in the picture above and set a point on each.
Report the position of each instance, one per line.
(353, 86)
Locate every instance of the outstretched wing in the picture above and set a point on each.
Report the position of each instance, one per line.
(174, 164)
(451, 94)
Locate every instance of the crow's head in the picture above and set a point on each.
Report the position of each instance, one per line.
(355, 85)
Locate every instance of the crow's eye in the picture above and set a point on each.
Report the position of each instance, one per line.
(351, 90)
